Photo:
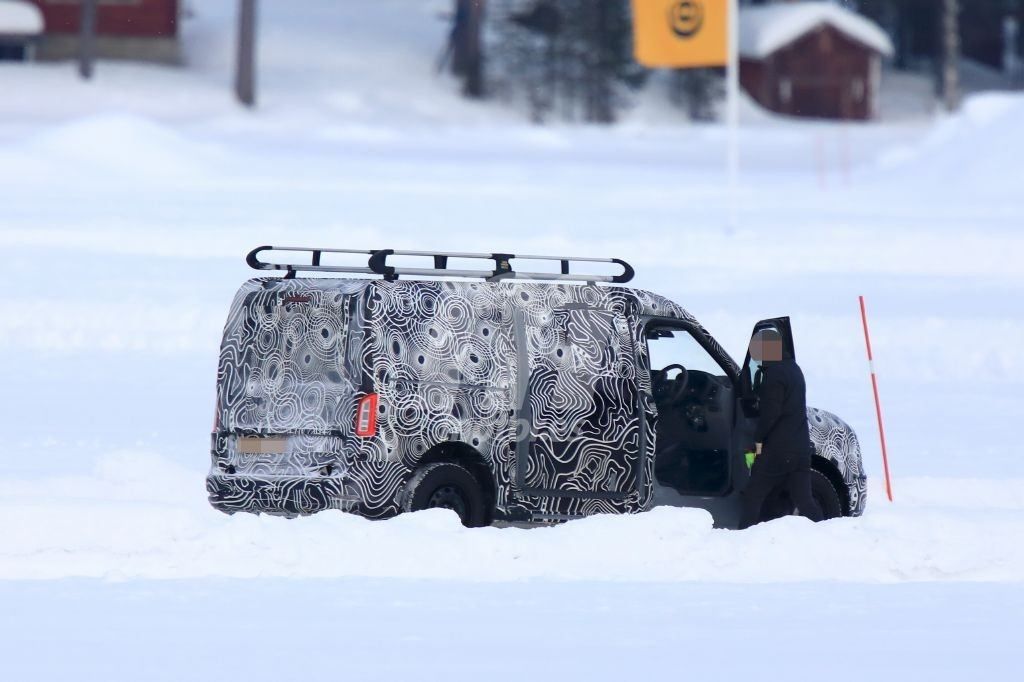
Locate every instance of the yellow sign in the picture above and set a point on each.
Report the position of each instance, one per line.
(680, 33)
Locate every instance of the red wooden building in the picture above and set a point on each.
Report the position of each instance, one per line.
(125, 29)
(812, 59)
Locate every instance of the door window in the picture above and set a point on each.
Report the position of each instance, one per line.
(694, 397)
(677, 346)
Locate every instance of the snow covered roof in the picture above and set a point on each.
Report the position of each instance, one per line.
(20, 18)
(763, 30)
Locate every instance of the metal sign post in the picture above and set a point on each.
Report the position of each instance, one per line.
(245, 60)
(732, 97)
(689, 34)
(87, 38)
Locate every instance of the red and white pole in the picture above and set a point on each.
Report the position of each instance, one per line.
(878, 404)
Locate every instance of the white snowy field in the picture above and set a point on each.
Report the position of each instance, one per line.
(369, 629)
(127, 205)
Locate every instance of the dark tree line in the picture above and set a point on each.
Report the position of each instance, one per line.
(934, 34)
(465, 46)
(571, 59)
(918, 28)
(697, 92)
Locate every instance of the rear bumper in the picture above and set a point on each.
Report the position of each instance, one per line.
(370, 489)
(312, 474)
(279, 495)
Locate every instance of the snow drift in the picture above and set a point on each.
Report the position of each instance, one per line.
(140, 516)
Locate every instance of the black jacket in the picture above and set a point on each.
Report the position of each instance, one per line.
(782, 423)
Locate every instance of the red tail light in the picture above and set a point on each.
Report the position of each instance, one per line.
(366, 416)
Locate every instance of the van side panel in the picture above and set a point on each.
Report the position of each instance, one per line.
(529, 376)
(444, 359)
(441, 356)
(582, 404)
(447, 361)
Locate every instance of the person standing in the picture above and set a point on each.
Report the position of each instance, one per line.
(782, 440)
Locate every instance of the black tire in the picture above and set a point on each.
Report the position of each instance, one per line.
(826, 495)
(447, 486)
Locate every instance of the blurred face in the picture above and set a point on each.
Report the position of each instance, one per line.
(762, 350)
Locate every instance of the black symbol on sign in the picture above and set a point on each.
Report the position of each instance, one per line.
(686, 17)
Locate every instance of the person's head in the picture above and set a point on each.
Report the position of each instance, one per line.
(766, 346)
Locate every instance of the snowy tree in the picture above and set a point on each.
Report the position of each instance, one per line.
(951, 54)
(572, 58)
(465, 45)
(697, 91)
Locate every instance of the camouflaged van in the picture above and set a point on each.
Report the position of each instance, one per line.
(503, 395)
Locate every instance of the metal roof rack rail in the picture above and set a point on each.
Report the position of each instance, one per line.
(377, 264)
(313, 266)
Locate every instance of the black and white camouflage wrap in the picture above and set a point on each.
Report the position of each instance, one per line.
(445, 359)
(836, 442)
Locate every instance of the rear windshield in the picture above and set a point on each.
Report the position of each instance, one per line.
(287, 361)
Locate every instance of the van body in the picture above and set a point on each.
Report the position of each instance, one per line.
(345, 393)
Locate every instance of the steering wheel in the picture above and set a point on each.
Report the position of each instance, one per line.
(672, 389)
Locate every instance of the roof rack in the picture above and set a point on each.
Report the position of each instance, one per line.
(377, 265)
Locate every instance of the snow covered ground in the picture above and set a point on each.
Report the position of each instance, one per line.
(400, 629)
(141, 517)
(126, 207)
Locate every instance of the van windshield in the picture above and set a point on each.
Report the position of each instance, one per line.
(285, 362)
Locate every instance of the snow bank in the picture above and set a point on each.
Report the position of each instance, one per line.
(119, 147)
(974, 150)
(139, 516)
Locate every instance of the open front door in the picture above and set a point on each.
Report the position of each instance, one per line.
(751, 373)
(695, 399)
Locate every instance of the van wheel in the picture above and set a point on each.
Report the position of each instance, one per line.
(443, 485)
(826, 495)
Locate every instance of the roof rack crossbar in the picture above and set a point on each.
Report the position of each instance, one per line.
(377, 264)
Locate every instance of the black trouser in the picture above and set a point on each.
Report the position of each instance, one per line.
(771, 472)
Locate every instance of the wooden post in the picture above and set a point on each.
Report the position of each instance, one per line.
(951, 54)
(245, 65)
(87, 38)
(732, 115)
(467, 53)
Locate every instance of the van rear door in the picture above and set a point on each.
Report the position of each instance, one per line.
(286, 364)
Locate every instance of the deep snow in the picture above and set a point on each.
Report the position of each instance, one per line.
(127, 204)
(140, 516)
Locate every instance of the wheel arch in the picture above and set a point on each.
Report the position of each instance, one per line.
(831, 472)
(465, 455)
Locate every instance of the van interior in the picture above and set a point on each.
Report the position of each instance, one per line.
(695, 401)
